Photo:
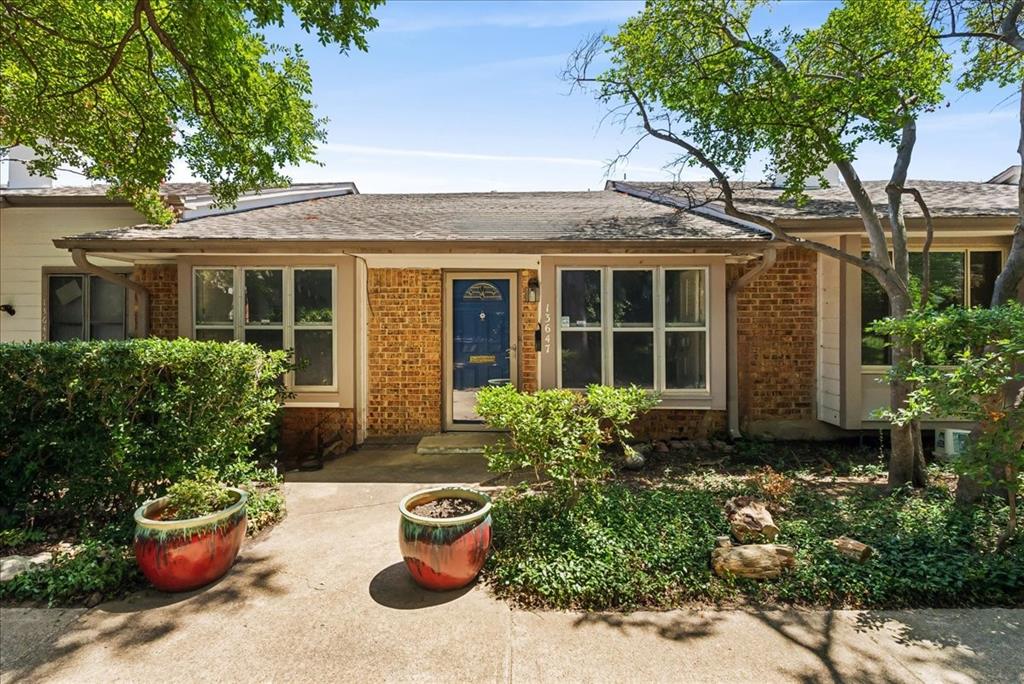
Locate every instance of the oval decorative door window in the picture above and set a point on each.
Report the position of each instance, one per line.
(483, 292)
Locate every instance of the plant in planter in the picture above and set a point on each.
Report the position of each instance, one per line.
(445, 535)
(191, 536)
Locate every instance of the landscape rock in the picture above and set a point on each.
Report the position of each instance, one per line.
(12, 566)
(753, 561)
(724, 447)
(678, 445)
(95, 599)
(750, 520)
(634, 461)
(643, 448)
(661, 447)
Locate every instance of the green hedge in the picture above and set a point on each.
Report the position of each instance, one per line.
(91, 429)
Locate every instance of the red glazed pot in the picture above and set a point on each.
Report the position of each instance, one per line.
(178, 555)
(444, 553)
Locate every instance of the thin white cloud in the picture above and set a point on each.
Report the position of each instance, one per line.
(528, 15)
(462, 156)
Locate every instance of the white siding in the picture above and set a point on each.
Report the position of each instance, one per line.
(26, 247)
(829, 360)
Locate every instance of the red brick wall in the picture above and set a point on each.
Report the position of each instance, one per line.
(162, 282)
(679, 423)
(301, 428)
(404, 349)
(528, 367)
(777, 338)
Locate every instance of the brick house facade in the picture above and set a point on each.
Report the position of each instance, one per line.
(775, 325)
(393, 258)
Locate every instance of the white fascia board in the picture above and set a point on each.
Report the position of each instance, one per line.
(198, 207)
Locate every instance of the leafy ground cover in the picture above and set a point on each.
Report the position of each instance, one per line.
(92, 564)
(644, 540)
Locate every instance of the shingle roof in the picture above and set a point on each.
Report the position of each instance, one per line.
(100, 190)
(179, 190)
(543, 216)
(944, 198)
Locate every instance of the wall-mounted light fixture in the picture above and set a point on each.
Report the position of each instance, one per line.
(7, 309)
(532, 290)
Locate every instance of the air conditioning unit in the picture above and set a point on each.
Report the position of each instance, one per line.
(950, 443)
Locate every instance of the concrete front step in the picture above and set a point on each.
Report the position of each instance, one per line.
(456, 443)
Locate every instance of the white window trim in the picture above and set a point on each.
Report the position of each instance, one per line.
(287, 326)
(659, 328)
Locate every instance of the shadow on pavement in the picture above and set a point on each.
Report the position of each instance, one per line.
(393, 587)
(146, 617)
(677, 627)
(397, 464)
(984, 643)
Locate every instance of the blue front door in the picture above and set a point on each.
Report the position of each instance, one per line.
(481, 350)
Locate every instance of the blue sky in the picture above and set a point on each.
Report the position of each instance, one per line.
(465, 96)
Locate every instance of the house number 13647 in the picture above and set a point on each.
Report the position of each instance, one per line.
(547, 328)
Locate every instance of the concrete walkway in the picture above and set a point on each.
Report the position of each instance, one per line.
(325, 597)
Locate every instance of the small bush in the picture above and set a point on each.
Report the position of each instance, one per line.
(650, 547)
(560, 432)
(88, 430)
(196, 496)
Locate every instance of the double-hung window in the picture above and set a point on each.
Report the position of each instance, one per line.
(634, 326)
(277, 308)
(84, 307)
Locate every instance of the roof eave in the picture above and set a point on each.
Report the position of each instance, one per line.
(237, 245)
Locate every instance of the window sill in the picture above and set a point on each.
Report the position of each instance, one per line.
(312, 404)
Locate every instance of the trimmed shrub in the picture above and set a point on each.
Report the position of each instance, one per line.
(89, 430)
(560, 432)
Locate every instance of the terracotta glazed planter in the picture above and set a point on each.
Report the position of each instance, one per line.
(445, 553)
(178, 555)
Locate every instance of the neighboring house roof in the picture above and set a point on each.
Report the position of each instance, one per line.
(944, 198)
(188, 199)
(1009, 176)
(477, 217)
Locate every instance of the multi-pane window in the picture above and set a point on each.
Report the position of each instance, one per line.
(281, 308)
(84, 307)
(960, 278)
(633, 326)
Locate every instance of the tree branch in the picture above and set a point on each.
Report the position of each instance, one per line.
(115, 59)
(929, 236)
(190, 70)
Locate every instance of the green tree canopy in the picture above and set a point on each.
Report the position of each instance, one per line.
(121, 89)
(698, 75)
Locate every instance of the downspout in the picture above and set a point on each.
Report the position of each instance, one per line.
(733, 408)
(142, 315)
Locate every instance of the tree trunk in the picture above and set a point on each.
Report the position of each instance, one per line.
(906, 462)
